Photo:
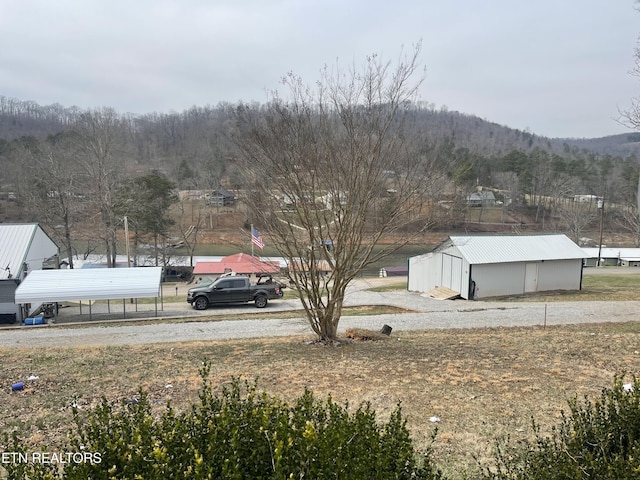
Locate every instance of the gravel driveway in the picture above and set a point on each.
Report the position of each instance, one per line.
(431, 314)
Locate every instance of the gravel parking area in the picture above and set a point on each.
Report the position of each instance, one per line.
(429, 314)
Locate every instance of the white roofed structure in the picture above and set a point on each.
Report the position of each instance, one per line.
(49, 286)
(613, 256)
(24, 249)
(479, 266)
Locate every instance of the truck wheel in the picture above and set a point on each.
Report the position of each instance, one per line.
(201, 303)
(261, 301)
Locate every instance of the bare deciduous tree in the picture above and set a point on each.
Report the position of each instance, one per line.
(191, 221)
(627, 218)
(100, 139)
(331, 174)
(576, 217)
(631, 116)
(55, 194)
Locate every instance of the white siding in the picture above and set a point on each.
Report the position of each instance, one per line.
(511, 278)
(41, 248)
(451, 273)
(560, 275)
(424, 272)
(433, 270)
(498, 279)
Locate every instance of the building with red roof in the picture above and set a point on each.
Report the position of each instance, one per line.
(240, 263)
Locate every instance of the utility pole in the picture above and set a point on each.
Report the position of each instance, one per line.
(126, 240)
(601, 208)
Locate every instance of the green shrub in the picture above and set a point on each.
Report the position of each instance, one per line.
(596, 440)
(239, 434)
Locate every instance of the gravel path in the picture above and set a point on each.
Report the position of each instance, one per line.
(432, 314)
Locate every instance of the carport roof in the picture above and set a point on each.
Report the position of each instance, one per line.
(46, 286)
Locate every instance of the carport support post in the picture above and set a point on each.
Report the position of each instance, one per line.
(124, 308)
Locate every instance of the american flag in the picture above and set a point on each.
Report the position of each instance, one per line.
(256, 238)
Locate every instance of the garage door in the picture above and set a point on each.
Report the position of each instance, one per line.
(452, 272)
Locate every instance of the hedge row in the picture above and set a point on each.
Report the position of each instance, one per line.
(595, 440)
(243, 434)
(239, 434)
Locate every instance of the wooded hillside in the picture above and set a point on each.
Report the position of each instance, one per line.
(64, 166)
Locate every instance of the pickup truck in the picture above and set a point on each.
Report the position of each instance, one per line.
(235, 289)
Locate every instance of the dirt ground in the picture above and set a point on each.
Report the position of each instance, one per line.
(483, 384)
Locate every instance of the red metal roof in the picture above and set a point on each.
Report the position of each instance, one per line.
(240, 263)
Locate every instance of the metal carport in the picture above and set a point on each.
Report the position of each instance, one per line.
(56, 286)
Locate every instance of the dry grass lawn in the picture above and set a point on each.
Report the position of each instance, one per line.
(484, 385)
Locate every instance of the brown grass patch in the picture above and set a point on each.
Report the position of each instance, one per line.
(364, 335)
(483, 384)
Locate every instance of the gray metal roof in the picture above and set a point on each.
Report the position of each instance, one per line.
(481, 249)
(14, 246)
(43, 286)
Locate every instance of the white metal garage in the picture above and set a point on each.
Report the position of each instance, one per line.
(489, 266)
(24, 249)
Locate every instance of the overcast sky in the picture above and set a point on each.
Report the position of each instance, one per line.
(559, 68)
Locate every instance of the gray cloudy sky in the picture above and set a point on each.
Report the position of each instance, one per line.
(558, 68)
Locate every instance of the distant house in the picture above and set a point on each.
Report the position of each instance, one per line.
(221, 198)
(483, 198)
(240, 263)
(493, 265)
(23, 249)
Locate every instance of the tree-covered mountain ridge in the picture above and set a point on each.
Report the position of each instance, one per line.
(24, 118)
(64, 166)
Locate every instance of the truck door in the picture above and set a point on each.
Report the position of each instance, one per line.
(240, 290)
(221, 293)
